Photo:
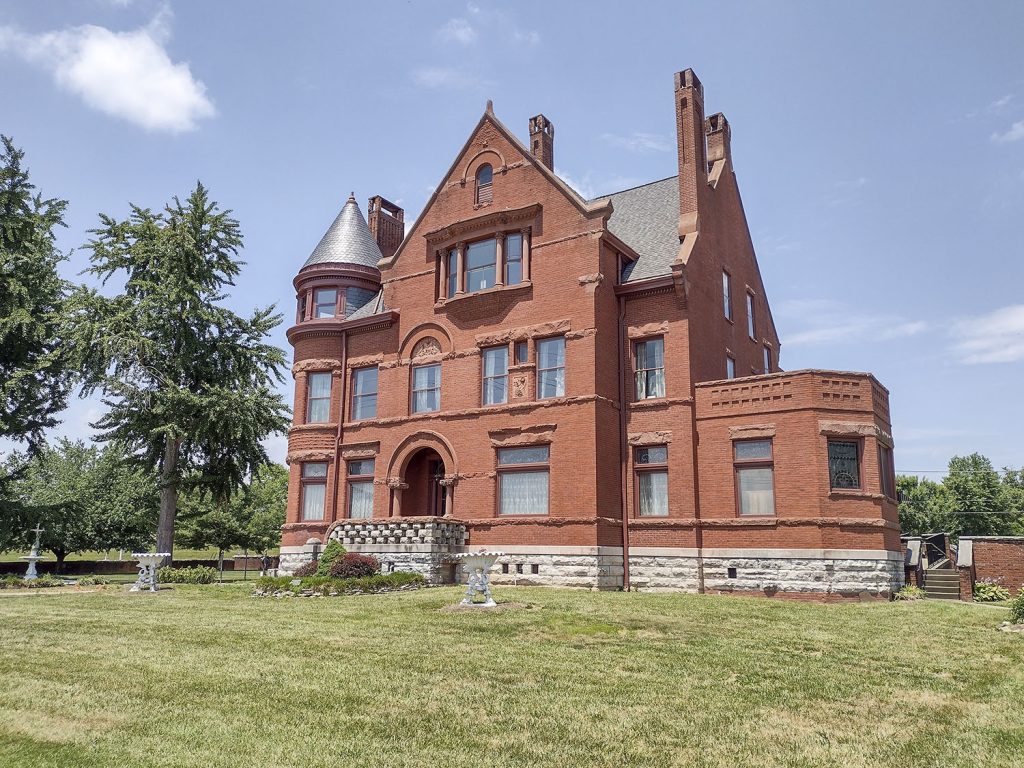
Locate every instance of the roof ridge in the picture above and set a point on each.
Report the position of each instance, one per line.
(638, 186)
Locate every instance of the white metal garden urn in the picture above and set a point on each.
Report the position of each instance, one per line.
(148, 561)
(478, 565)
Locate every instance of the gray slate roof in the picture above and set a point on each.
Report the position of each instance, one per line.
(348, 241)
(373, 307)
(646, 218)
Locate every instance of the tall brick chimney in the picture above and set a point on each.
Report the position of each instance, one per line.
(693, 169)
(718, 133)
(387, 225)
(542, 140)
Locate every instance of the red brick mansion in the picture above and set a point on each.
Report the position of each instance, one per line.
(590, 386)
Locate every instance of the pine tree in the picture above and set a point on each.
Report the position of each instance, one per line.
(189, 384)
(35, 376)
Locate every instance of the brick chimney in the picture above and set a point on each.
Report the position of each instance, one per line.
(718, 133)
(693, 169)
(542, 140)
(387, 225)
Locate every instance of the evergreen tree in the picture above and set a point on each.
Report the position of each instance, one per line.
(35, 377)
(188, 383)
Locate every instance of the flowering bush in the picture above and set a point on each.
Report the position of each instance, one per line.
(990, 591)
(353, 566)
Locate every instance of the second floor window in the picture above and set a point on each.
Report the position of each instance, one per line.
(495, 376)
(481, 258)
(727, 294)
(887, 471)
(364, 393)
(453, 272)
(318, 401)
(551, 367)
(767, 359)
(325, 301)
(650, 369)
(513, 259)
(426, 388)
(730, 367)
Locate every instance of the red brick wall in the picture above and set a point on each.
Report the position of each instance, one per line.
(1002, 560)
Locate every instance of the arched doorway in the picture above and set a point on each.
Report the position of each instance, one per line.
(425, 494)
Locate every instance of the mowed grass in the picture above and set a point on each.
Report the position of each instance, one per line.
(209, 676)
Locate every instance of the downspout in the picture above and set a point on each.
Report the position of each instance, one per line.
(698, 527)
(341, 420)
(623, 454)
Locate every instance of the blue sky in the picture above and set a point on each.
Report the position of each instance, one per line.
(879, 149)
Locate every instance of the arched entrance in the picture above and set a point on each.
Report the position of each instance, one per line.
(425, 494)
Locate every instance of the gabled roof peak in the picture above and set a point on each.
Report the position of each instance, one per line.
(348, 240)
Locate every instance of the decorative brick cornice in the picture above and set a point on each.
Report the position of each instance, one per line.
(538, 434)
(294, 457)
(854, 429)
(481, 224)
(317, 364)
(650, 329)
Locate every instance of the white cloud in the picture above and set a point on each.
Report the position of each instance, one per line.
(1015, 133)
(1000, 104)
(996, 337)
(581, 185)
(529, 36)
(640, 143)
(821, 321)
(125, 74)
(445, 78)
(458, 31)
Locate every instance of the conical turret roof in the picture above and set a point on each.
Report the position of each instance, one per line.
(348, 241)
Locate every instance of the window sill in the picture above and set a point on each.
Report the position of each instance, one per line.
(854, 493)
(658, 402)
(444, 302)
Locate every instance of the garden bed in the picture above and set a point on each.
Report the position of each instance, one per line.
(325, 586)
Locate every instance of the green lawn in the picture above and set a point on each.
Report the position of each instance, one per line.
(209, 676)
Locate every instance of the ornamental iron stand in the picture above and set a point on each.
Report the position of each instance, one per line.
(148, 562)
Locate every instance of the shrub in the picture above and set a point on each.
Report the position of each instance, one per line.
(17, 582)
(306, 569)
(92, 581)
(331, 554)
(909, 592)
(1017, 608)
(354, 566)
(199, 574)
(321, 585)
(990, 591)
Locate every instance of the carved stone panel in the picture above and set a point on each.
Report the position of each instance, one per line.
(426, 347)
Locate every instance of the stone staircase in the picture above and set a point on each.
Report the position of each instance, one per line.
(942, 584)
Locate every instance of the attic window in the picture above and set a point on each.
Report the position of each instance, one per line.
(484, 190)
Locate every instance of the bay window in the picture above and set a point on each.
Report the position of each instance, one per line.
(360, 488)
(495, 375)
(314, 490)
(318, 398)
(651, 464)
(755, 477)
(426, 388)
(650, 369)
(551, 367)
(364, 393)
(523, 480)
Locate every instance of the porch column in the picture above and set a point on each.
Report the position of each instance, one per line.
(396, 486)
(448, 482)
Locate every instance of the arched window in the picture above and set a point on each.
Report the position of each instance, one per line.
(484, 177)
